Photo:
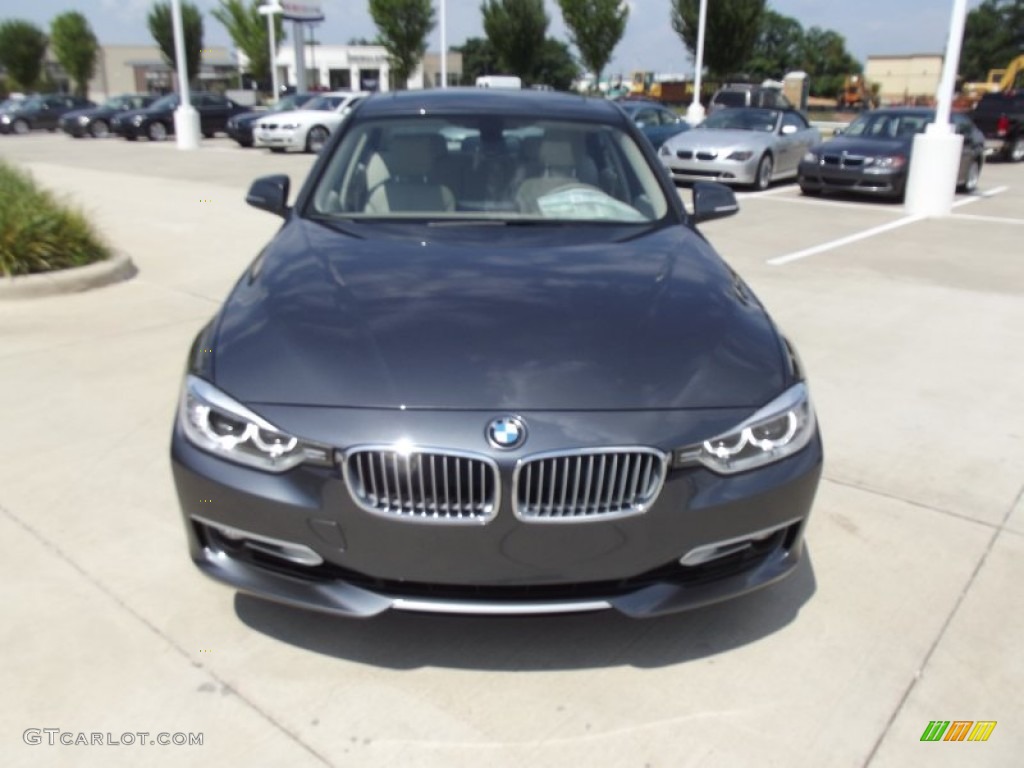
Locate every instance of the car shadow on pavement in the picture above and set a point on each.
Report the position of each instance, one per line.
(400, 640)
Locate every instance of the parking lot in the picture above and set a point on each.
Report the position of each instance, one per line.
(906, 609)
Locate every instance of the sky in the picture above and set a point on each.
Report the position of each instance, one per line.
(869, 26)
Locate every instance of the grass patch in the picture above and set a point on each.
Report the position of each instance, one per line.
(38, 233)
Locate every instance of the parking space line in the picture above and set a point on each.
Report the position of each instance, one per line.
(763, 193)
(843, 204)
(796, 255)
(994, 219)
(980, 196)
(863, 235)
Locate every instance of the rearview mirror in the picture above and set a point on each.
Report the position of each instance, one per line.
(270, 193)
(712, 200)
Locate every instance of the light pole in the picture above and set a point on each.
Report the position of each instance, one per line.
(444, 47)
(186, 119)
(935, 158)
(269, 11)
(695, 112)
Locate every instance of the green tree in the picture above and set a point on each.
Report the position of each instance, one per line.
(75, 47)
(403, 26)
(161, 27)
(556, 66)
(595, 28)
(779, 47)
(993, 36)
(478, 58)
(516, 29)
(731, 30)
(827, 61)
(248, 31)
(22, 45)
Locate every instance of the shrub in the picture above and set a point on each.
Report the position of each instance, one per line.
(37, 232)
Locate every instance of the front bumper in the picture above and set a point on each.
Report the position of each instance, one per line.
(299, 538)
(815, 177)
(280, 139)
(243, 134)
(74, 128)
(723, 171)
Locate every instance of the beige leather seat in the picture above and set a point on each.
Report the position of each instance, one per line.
(408, 187)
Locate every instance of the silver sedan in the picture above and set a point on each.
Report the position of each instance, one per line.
(741, 146)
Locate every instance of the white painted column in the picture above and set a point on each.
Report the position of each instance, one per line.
(695, 112)
(186, 119)
(299, 41)
(444, 46)
(935, 160)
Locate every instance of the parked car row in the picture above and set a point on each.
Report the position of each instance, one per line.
(756, 146)
(42, 112)
(300, 122)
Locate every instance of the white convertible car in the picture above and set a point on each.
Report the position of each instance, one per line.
(306, 129)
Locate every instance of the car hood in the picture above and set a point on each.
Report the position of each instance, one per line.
(718, 139)
(855, 145)
(446, 318)
(301, 115)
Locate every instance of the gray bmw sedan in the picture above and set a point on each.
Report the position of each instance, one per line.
(488, 365)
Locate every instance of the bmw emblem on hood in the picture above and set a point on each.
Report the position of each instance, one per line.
(506, 432)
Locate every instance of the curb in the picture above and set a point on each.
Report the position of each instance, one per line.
(74, 280)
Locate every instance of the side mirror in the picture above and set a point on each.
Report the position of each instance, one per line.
(788, 130)
(838, 132)
(270, 193)
(712, 200)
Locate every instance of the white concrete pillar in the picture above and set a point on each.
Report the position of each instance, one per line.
(186, 119)
(935, 160)
(695, 112)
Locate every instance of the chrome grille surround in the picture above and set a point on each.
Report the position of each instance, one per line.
(424, 485)
(587, 484)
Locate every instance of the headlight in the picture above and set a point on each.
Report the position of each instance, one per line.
(83, 119)
(5, 119)
(289, 126)
(780, 429)
(138, 120)
(894, 162)
(810, 157)
(216, 423)
(740, 155)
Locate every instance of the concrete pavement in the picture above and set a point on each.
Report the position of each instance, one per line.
(906, 610)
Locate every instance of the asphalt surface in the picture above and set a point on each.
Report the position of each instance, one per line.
(907, 609)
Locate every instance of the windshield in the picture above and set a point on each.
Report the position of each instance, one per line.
(324, 103)
(887, 125)
(169, 101)
(32, 102)
(731, 98)
(293, 101)
(489, 168)
(763, 120)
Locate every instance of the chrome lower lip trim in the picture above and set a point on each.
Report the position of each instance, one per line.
(497, 609)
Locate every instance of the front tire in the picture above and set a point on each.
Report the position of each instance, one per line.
(763, 179)
(317, 138)
(1015, 152)
(971, 180)
(157, 131)
(20, 127)
(100, 129)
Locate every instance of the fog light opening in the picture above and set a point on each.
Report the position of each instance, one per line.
(719, 549)
(298, 554)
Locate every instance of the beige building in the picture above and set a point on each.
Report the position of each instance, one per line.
(905, 79)
(142, 69)
(428, 73)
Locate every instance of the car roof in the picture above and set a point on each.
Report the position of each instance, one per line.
(492, 101)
